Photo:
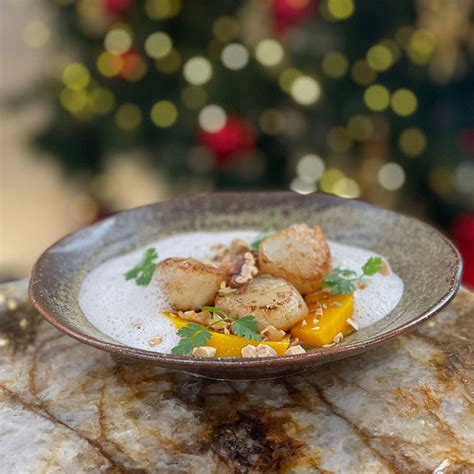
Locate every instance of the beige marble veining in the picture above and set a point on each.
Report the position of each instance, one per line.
(404, 407)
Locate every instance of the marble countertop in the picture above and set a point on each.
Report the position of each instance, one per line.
(404, 407)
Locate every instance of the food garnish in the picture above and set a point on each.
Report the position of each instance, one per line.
(342, 281)
(143, 271)
(191, 336)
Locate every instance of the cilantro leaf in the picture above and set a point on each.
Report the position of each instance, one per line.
(372, 266)
(246, 326)
(192, 335)
(212, 309)
(143, 272)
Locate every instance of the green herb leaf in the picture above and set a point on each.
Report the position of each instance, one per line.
(246, 326)
(212, 309)
(192, 335)
(372, 266)
(143, 272)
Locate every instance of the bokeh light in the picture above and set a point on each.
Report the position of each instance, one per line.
(379, 57)
(109, 64)
(441, 180)
(271, 121)
(310, 168)
(164, 114)
(118, 41)
(197, 70)
(269, 52)
(162, 9)
(404, 102)
(335, 64)
(302, 187)
(76, 76)
(101, 100)
(391, 176)
(362, 73)
(128, 117)
(170, 64)
(72, 100)
(465, 177)
(421, 46)
(194, 97)
(339, 140)
(225, 28)
(305, 90)
(212, 118)
(36, 34)
(158, 45)
(340, 9)
(329, 179)
(235, 56)
(287, 77)
(412, 141)
(346, 188)
(360, 128)
(377, 97)
(134, 67)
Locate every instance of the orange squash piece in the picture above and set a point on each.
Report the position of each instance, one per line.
(327, 312)
(230, 345)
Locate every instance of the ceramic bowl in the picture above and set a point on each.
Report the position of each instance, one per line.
(427, 262)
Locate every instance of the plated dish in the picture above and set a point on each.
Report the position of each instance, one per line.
(192, 285)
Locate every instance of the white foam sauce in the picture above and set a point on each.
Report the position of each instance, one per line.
(131, 314)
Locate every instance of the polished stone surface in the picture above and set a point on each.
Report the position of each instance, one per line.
(404, 407)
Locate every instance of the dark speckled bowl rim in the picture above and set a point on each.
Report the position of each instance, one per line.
(188, 364)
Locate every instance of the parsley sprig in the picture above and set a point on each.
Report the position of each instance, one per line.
(143, 271)
(194, 335)
(343, 281)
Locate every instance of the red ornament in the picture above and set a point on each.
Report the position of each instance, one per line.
(117, 7)
(291, 12)
(235, 137)
(463, 233)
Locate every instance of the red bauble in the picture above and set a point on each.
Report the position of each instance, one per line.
(117, 6)
(463, 233)
(291, 12)
(235, 137)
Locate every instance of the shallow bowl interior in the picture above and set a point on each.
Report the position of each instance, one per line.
(426, 261)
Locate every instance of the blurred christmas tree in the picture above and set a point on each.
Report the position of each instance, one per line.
(361, 99)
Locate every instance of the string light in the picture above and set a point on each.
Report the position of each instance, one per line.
(134, 67)
(235, 56)
(212, 118)
(338, 140)
(36, 34)
(404, 102)
(441, 180)
(271, 121)
(117, 41)
(108, 64)
(412, 142)
(310, 168)
(305, 90)
(377, 97)
(340, 9)
(164, 114)
(287, 77)
(335, 64)
(162, 9)
(346, 188)
(128, 117)
(225, 28)
(194, 97)
(302, 187)
(269, 52)
(361, 73)
(360, 127)
(158, 45)
(391, 176)
(421, 46)
(170, 63)
(76, 76)
(197, 70)
(379, 57)
(329, 179)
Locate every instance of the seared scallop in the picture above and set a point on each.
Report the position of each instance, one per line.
(273, 302)
(299, 254)
(188, 283)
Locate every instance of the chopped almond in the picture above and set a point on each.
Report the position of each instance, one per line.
(201, 317)
(263, 350)
(204, 351)
(154, 341)
(273, 334)
(293, 350)
(385, 268)
(249, 351)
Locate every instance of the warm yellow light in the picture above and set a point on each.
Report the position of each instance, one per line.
(329, 179)
(412, 141)
(235, 56)
(194, 97)
(305, 90)
(36, 34)
(310, 168)
(76, 76)
(340, 9)
(73, 101)
(302, 187)
(361, 73)
(170, 63)
(164, 114)
(287, 77)
(391, 176)
(404, 102)
(212, 118)
(128, 117)
(108, 64)
(162, 9)
(421, 46)
(197, 70)
(225, 28)
(441, 180)
(158, 45)
(403, 35)
(377, 97)
(338, 140)
(117, 41)
(271, 121)
(346, 188)
(269, 52)
(102, 101)
(335, 64)
(393, 48)
(135, 68)
(360, 127)
(379, 57)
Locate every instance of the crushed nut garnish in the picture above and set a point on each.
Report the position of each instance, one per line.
(338, 338)
(294, 341)
(304, 323)
(218, 326)
(154, 341)
(385, 268)
(225, 290)
(316, 328)
(263, 350)
(202, 317)
(249, 351)
(239, 246)
(273, 334)
(328, 345)
(204, 351)
(352, 323)
(293, 350)
(315, 320)
(247, 271)
(361, 285)
(336, 304)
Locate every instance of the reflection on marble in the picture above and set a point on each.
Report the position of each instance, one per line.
(404, 407)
